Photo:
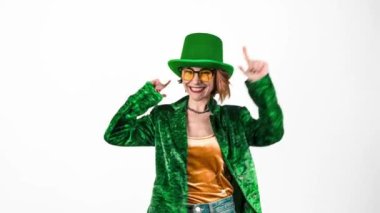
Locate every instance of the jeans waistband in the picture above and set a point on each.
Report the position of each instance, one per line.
(225, 205)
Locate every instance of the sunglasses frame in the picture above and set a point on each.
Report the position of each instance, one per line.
(197, 72)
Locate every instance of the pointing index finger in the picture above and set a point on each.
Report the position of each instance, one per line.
(167, 83)
(245, 52)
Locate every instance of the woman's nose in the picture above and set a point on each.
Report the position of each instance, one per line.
(196, 78)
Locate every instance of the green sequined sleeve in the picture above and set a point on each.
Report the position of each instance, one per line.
(268, 129)
(125, 129)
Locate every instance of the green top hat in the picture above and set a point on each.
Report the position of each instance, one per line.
(201, 50)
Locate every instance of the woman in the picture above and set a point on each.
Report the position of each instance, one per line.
(203, 161)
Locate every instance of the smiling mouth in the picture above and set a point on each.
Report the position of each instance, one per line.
(196, 89)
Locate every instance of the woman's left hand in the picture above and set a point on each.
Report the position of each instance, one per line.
(256, 69)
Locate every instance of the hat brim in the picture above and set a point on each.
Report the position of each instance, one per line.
(175, 64)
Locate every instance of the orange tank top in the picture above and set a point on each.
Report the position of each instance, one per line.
(208, 179)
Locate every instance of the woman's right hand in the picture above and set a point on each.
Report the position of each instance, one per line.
(158, 86)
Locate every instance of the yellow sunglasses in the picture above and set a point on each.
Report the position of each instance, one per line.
(205, 74)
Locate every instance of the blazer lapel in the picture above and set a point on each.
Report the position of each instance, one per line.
(179, 127)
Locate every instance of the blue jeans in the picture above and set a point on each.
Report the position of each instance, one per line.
(225, 205)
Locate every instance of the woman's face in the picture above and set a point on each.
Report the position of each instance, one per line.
(198, 82)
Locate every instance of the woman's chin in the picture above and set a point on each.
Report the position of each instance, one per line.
(198, 97)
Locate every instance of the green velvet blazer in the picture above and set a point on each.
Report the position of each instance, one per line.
(165, 129)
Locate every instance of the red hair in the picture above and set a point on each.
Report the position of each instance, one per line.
(221, 85)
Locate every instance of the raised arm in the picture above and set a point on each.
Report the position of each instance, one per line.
(125, 129)
(268, 128)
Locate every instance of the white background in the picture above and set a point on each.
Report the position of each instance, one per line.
(67, 66)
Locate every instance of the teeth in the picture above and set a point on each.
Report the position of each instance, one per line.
(196, 89)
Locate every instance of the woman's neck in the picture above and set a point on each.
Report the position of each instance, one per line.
(199, 106)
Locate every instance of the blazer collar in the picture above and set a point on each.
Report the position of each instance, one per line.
(180, 134)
